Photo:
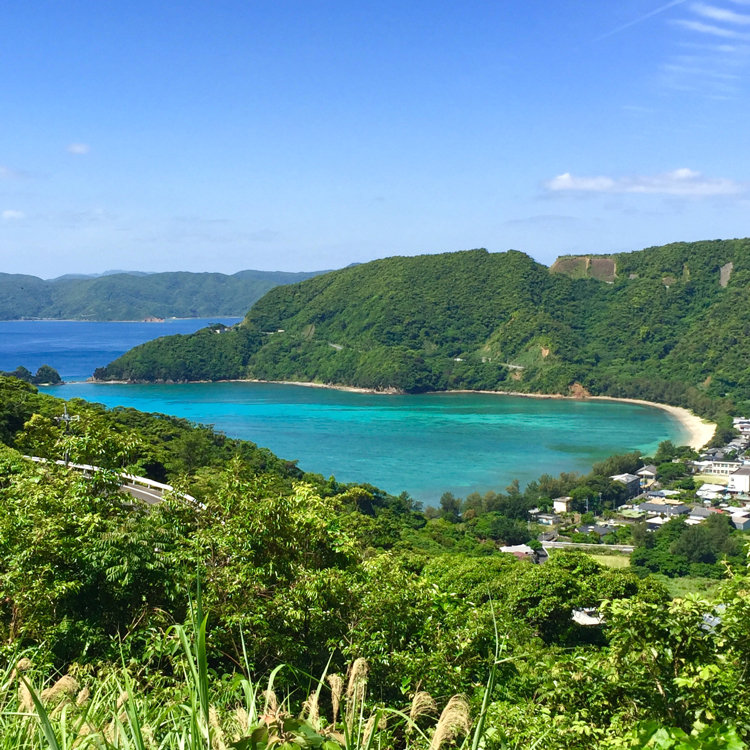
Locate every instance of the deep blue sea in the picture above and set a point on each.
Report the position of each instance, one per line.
(425, 444)
(76, 348)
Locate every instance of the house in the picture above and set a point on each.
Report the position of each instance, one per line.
(631, 481)
(562, 504)
(664, 508)
(647, 474)
(741, 522)
(710, 491)
(520, 552)
(548, 519)
(656, 522)
(720, 468)
(740, 481)
(699, 514)
(629, 514)
(598, 529)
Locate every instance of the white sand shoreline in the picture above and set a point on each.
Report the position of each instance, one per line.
(699, 430)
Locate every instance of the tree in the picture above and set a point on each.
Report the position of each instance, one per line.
(450, 507)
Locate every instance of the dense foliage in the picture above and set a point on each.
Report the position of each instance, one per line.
(307, 572)
(677, 549)
(134, 296)
(45, 375)
(671, 327)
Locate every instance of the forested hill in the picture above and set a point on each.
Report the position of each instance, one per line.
(135, 296)
(667, 323)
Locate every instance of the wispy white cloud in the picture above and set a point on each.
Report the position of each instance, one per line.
(722, 15)
(79, 149)
(8, 173)
(689, 68)
(10, 214)
(680, 182)
(709, 28)
(717, 36)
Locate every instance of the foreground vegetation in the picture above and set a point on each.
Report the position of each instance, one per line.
(192, 707)
(317, 576)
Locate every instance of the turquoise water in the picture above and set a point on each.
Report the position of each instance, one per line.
(425, 444)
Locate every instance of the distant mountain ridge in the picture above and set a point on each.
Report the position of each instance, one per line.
(667, 323)
(132, 295)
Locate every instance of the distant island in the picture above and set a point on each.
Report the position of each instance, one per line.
(45, 375)
(137, 296)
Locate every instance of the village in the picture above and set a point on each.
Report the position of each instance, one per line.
(690, 488)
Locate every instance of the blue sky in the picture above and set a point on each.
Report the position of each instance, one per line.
(274, 134)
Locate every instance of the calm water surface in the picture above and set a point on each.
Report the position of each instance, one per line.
(422, 444)
(76, 348)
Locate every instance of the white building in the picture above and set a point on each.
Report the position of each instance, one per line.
(739, 481)
(720, 468)
(562, 504)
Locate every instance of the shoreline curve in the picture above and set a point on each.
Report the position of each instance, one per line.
(700, 431)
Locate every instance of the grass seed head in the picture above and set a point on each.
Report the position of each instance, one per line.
(423, 704)
(312, 710)
(23, 665)
(453, 721)
(356, 689)
(370, 727)
(217, 741)
(65, 687)
(243, 719)
(25, 702)
(272, 702)
(357, 679)
(337, 687)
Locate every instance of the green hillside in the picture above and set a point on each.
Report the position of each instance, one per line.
(670, 325)
(133, 296)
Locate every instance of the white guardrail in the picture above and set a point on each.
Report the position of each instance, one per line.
(589, 545)
(128, 478)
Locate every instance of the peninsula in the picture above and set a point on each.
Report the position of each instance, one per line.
(665, 324)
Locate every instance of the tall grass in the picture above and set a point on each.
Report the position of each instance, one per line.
(116, 711)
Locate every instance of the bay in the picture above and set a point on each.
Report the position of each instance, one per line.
(75, 348)
(424, 444)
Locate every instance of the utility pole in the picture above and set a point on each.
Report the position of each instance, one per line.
(66, 419)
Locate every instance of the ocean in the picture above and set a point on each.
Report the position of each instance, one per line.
(76, 348)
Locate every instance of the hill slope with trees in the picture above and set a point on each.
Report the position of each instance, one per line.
(134, 296)
(671, 326)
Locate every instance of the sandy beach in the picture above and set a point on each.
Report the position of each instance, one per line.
(700, 431)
